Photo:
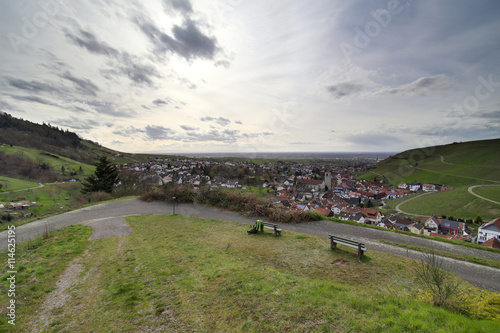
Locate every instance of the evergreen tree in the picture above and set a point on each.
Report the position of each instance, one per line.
(103, 179)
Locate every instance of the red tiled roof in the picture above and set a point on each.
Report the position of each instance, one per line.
(492, 242)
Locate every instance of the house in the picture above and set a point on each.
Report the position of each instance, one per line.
(489, 230)
(415, 186)
(447, 227)
(388, 222)
(337, 209)
(403, 186)
(372, 215)
(416, 228)
(432, 224)
(312, 184)
(493, 243)
(344, 216)
(324, 212)
(358, 217)
(428, 187)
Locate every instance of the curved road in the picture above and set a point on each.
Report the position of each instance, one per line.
(479, 275)
(474, 194)
(417, 196)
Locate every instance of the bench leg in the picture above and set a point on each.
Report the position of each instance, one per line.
(333, 245)
(360, 252)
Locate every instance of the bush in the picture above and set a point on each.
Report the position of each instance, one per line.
(439, 283)
(248, 204)
(99, 196)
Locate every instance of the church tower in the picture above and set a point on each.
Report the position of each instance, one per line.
(328, 181)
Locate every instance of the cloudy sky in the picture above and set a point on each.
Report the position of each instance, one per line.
(254, 76)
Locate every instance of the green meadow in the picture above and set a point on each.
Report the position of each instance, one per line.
(461, 164)
(180, 274)
(458, 203)
(50, 199)
(55, 161)
(13, 184)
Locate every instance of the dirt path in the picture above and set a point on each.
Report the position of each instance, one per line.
(481, 276)
(24, 189)
(474, 194)
(418, 196)
(443, 161)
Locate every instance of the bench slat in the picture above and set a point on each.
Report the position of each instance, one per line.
(334, 240)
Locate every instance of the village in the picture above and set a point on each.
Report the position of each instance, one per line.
(332, 191)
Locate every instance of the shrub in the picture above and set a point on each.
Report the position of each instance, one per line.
(438, 282)
(248, 203)
(99, 196)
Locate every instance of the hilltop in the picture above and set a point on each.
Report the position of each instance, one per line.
(55, 141)
(456, 164)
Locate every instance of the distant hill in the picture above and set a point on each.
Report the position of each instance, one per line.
(51, 139)
(456, 164)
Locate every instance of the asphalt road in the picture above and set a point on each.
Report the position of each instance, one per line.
(108, 218)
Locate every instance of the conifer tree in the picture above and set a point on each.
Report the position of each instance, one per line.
(103, 179)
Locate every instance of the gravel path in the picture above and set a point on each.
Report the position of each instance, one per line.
(108, 219)
(477, 195)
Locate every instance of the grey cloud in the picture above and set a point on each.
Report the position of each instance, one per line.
(183, 6)
(255, 135)
(109, 109)
(420, 87)
(5, 105)
(344, 89)
(221, 121)
(83, 84)
(155, 132)
(238, 122)
(128, 131)
(226, 136)
(160, 102)
(33, 86)
(189, 128)
(136, 71)
(212, 135)
(76, 123)
(88, 41)
(124, 63)
(187, 41)
(489, 115)
(34, 99)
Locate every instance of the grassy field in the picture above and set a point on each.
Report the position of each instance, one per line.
(50, 199)
(490, 192)
(55, 161)
(468, 163)
(177, 273)
(458, 203)
(12, 184)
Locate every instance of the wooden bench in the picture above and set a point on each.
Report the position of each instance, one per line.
(334, 240)
(267, 225)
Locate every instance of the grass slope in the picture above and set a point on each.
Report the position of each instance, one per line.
(460, 164)
(13, 184)
(50, 199)
(54, 160)
(458, 203)
(177, 273)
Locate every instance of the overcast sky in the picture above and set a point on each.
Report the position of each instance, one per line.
(254, 76)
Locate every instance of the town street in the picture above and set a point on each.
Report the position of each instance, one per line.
(479, 275)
